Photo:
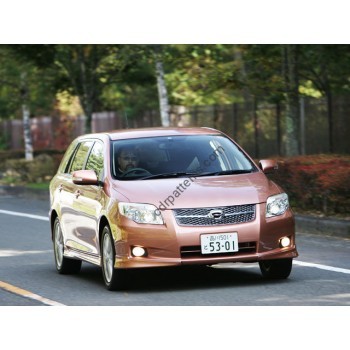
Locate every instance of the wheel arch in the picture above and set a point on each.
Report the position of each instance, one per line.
(102, 224)
(53, 217)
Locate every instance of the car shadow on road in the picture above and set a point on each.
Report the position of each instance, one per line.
(183, 278)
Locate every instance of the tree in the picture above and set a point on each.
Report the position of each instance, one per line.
(162, 88)
(22, 91)
(291, 78)
(82, 70)
(152, 56)
(273, 75)
(88, 68)
(27, 135)
(327, 67)
(203, 75)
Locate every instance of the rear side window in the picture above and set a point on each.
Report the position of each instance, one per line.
(66, 158)
(95, 160)
(80, 156)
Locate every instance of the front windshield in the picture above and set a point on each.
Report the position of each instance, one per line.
(175, 156)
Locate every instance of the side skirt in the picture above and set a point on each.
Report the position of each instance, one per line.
(84, 256)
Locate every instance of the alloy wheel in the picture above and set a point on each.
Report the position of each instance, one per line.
(108, 257)
(58, 245)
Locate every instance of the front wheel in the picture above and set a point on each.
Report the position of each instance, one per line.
(276, 269)
(64, 265)
(114, 278)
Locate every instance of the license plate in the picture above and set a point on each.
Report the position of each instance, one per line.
(219, 243)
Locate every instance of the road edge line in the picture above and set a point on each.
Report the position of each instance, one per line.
(321, 267)
(31, 216)
(26, 294)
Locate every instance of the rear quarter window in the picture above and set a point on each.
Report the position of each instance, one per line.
(79, 159)
(67, 156)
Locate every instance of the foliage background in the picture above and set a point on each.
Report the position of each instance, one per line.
(67, 81)
(253, 92)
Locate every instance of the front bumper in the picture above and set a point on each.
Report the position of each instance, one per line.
(171, 244)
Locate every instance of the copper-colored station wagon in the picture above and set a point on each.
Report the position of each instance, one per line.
(168, 196)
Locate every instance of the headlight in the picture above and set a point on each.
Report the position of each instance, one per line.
(277, 205)
(141, 213)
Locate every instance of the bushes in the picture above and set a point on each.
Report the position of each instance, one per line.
(16, 170)
(316, 183)
(19, 171)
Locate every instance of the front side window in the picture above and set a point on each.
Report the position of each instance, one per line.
(80, 156)
(95, 160)
(170, 156)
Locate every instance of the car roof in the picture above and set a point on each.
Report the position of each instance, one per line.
(154, 132)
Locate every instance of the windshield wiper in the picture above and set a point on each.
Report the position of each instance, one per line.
(186, 174)
(169, 175)
(227, 172)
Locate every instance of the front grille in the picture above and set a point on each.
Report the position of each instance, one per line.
(236, 214)
(189, 252)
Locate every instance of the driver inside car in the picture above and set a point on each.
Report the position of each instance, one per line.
(127, 159)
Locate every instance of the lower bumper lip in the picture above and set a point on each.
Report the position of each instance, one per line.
(255, 257)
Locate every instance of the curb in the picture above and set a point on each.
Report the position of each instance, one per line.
(20, 191)
(303, 223)
(324, 226)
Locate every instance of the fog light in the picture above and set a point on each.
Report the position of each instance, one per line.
(138, 251)
(285, 242)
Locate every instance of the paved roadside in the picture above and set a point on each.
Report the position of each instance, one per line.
(304, 223)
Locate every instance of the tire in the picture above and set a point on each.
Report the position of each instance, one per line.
(276, 269)
(64, 266)
(114, 279)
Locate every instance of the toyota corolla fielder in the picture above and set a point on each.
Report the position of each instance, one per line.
(162, 197)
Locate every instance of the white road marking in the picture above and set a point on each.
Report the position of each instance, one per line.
(16, 213)
(295, 262)
(322, 267)
(236, 265)
(7, 253)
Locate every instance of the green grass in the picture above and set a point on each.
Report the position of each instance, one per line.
(40, 185)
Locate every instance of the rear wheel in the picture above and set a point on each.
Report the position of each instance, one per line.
(114, 278)
(63, 265)
(276, 269)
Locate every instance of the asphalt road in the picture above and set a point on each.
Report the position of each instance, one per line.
(320, 276)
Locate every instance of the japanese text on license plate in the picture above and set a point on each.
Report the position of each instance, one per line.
(219, 243)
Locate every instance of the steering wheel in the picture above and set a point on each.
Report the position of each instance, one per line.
(136, 171)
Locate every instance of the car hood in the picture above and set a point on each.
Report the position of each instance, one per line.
(199, 192)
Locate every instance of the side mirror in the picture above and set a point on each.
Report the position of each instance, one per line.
(268, 166)
(85, 177)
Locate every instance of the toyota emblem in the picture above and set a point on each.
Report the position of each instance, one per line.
(216, 214)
